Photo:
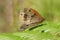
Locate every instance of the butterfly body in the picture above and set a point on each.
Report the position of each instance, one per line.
(28, 17)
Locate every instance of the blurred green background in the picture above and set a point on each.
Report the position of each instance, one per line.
(49, 9)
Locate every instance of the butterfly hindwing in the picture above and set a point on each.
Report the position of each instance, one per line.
(29, 16)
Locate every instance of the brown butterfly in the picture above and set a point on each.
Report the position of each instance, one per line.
(28, 17)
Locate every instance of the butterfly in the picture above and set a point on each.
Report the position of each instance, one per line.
(28, 17)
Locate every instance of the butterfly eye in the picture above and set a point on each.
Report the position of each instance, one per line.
(33, 15)
(30, 10)
(27, 25)
(25, 15)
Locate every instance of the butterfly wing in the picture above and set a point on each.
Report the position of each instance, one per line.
(36, 18)
(29, 17)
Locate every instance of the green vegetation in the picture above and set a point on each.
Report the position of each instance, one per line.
(50, 10)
